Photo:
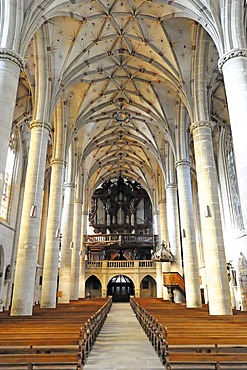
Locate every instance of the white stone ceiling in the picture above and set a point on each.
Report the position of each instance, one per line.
(130, 57)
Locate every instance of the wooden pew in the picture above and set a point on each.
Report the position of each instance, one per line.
(191, 338)
(61, 359)
(63, 336)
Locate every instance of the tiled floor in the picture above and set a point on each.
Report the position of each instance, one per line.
(122, 344)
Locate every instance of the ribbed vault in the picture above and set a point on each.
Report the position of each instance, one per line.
(121, 68)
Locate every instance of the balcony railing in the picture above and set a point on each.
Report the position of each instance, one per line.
(120, 264)
(104, 239)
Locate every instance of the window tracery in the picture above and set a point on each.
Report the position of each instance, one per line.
(233, 184)
(9, 171)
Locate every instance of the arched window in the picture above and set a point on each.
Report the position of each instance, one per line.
(9, 171)
(233, 184)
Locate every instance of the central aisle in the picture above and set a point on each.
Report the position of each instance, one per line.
(122, 344)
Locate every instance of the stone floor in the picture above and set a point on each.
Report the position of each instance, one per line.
(122, 344)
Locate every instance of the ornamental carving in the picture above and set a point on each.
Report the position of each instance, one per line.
(7, 54)
(182, 162)
(69, 185)
(229, 55)
(40, 124)
(121, 215)
(55, 161)
(171, 186)
(121, 206)
(199, 124)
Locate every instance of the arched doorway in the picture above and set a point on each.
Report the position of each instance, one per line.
(93, 287)
(120, 287)
(148, 287)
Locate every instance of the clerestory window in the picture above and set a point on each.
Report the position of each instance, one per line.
(9, 171)
(233, 184)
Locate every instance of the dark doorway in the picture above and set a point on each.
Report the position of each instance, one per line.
(120, 288)
(148, 287)
(93, 287)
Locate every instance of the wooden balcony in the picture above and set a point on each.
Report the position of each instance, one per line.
(121, 240)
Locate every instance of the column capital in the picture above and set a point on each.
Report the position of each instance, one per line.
(69, 185)
(234, 53)
(12, 56)
(171, 186)
(182, 162)
(55, 161)
(198, 124)
(40, 124)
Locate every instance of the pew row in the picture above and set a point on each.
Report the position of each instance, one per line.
(191, 338)
(58, 338)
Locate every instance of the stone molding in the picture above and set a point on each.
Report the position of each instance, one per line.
(78, 201)
(199, 124)
(162, 201)
(235, 53)
(171, 186)
(40, 124)
(12, 56)
(55, 161)
(85, 213)
(69, 185)
(182, 162)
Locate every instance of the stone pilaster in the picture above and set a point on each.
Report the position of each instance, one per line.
(215, 260)
(67, 243)
(173, 226)
(156, 224)
(191, 267)
(159, 279)
(43, 224)
(75, 258)
(165, 266)
(10, 66)
(233, 65)
(163, 220)
(22, 301)
(49, 283)
(82, 257)
(174, 233)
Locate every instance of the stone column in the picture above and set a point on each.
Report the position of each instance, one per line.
(166, 266)
(43, 224)
(75, 258)
(67, 243)
(173, 226)
(22, 301)
(191, 267)
(215, 260)
(233, 65)
(159, 279)
(156, 224)
(50, 272)
(10, 66)
(82, 279)
(174, 233)
(163, 221)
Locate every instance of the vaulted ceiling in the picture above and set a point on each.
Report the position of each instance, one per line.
(121, 68)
